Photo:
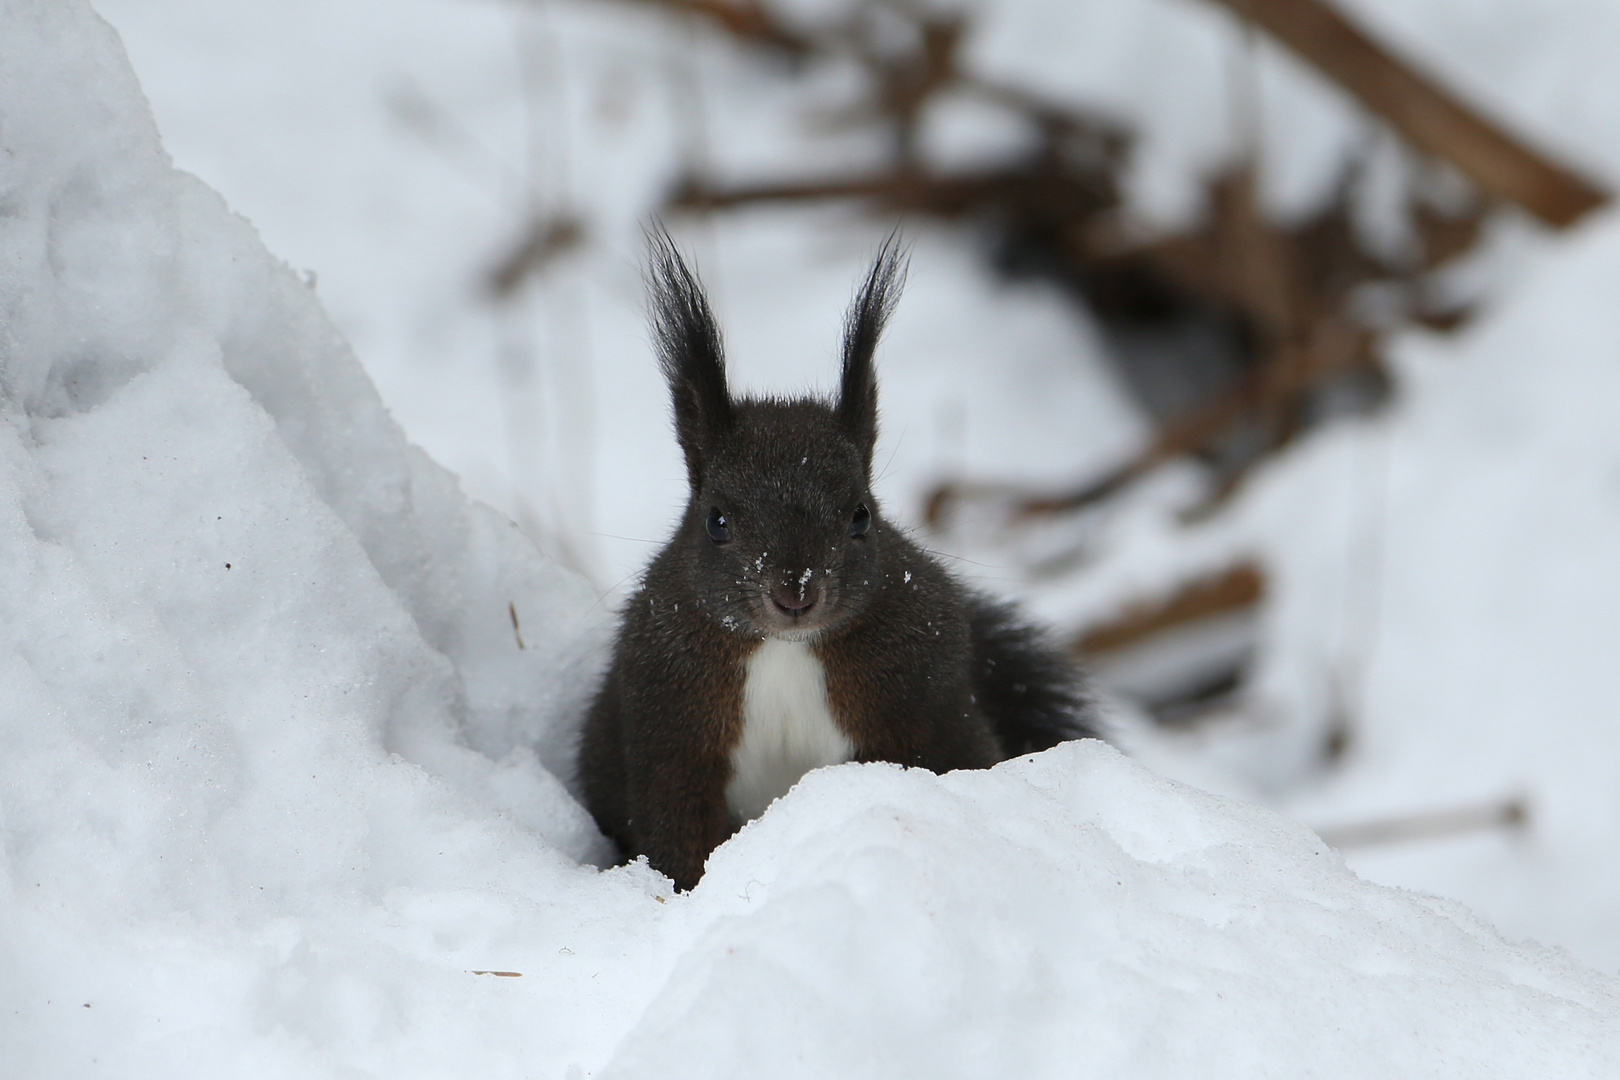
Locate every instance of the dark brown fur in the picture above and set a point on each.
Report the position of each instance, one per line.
(920, 671)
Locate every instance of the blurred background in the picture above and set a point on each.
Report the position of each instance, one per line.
(1268, 349)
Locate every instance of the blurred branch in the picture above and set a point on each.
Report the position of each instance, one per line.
(1504, 813)
(1237, 589)
(1290, 285)
(1173, 440)
(546, 238)
(910, 190)
(745, 20)
(1427, 115)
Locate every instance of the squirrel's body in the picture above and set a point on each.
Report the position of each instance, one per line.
(787, 625)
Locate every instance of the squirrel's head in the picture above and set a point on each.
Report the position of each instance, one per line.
(783, 533)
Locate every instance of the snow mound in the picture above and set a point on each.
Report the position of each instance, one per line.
(1070, 914)
(285, 723)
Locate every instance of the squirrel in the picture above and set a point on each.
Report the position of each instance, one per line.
(787, 624)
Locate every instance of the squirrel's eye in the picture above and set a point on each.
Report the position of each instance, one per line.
(861, 522)
(719, 527)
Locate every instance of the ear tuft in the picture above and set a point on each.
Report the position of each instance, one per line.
(689, 351)
(863, 325)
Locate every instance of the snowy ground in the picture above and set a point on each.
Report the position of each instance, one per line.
(277, 780)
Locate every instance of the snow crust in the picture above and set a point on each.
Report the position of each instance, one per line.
(285, 724)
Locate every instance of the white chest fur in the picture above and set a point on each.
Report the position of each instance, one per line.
(787, 727)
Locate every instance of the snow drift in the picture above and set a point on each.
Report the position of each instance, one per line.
(285, 724)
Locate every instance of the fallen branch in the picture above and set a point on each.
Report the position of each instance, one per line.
(1502, 814)
(1236, 590)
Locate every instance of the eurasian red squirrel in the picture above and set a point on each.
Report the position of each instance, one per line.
(787, 624)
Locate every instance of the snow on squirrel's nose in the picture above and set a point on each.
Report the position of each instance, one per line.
(796, 593)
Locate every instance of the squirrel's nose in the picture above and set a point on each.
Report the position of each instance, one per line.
(796, 596)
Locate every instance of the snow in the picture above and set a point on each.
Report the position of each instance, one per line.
(1443, 580)
(1501, 602)
(1072, 915)
(286, 719)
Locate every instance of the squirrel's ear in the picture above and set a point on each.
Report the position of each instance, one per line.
(689, 351)
(857, 389)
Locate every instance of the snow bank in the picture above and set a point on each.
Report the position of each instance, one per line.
(258, 669)
(1072, 915)
(279, 770)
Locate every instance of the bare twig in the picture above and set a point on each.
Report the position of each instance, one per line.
(517, 631)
